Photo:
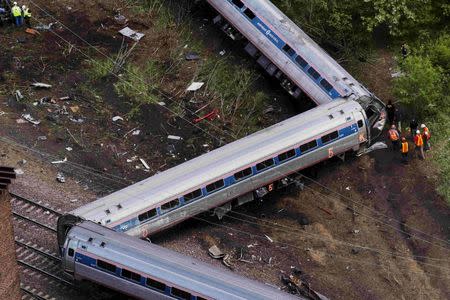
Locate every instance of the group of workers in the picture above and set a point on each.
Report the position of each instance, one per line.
(19, 14)
(421, 140)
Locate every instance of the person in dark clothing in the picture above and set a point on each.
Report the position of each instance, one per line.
(413, 125)
(390, 109)
(404, 50)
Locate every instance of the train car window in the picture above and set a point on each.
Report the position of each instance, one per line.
(288, 50)
(264, 165)
(131, 275)
(155, 284)
(169, 205)
(326, 85)
(215, 185)
(248, 12)
(119, 206)
(286, 155)
(107, 211)
(308, 146)
(242, 174)
(147, 215)
(329, 137)
(301, 61)
(180, 294)
(102, 244)
(71, 252)
(106, 266)
(313, 73)
(238, 3)
(192, 195)
(360, 123)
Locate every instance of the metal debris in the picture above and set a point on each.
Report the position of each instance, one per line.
(18, 95)
(60, 177)
(41, 85)
(18, 171)
(174, 137)
(268, 237)
(120, 19)
(227, 261)
(144, 163)
(195, 86)
(376, 146)
(215, 252)
(69, 149)
(128, 32)
(117, 118)
(42, 138)
(59, 161)
(30, 119)
(192, 56)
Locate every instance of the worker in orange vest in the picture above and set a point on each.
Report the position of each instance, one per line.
(426, 137)
(394, 136)
(404, 150)
(418, 141)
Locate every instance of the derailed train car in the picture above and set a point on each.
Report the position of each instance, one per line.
(230, 175)
(289, 54)
(147, 271)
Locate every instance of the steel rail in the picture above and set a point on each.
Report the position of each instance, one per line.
(43, 253)
(20, 216)
(13, 195)
(29, 266)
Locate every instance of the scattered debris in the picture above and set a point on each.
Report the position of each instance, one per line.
(120, 19)
(209, 116)
(174, 137)
(18, 95)
(227, 261)
(75, 109)
(356, 231)
(30, 119)
(73, 200)
(65, 98)
(44, 27)
(355, 251)
(32, 31)
(195, 86)
(60, 178)
(268, 237)
(76, 120)
(192, 56)
(162, 103)
(2, 113)
(222, 53)
(136, 132)
(42, 138)
(69, 149)
(347, 188)
(376, 146)
(128, 32)
(20, 121)
(117, 118)
(215, 252)
(41, 85)
(325, 210)
(59, 161)
(18, 171)
(22, 162)
(397, 74)
(144, 163)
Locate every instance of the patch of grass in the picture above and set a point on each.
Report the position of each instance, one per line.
(440, 144)
(140, 84)
(99, 69)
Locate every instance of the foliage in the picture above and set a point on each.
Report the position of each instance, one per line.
(99, 69)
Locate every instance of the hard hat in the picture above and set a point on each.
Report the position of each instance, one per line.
(23, 7)
(418, 131)
(403, 139)
(422, 126)
(393, 127)
(15, 3)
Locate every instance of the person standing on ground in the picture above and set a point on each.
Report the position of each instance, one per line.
(394, 136)
(390, 109)
(26, 14)
(404, 50)
(17, 14)
(418, 141)
(413, 126)
(404, 150)
(426, 137)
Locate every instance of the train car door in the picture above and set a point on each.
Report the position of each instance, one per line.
(69, 257)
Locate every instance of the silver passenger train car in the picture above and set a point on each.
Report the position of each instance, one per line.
(289, 54)
(229, 175)
(147, 271)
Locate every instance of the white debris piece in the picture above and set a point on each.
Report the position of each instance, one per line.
(162, 103)
(222, 53)
(376, 146)
(69, 149)
(18, 171)
(174, 137)
(30, 119)
(41, 85)
(117, 118)
(136, 132)
(2, 113)
(128, 32)
(59, 161)
(268, 237)
(195, 86)
(144, 163)
(60, 177)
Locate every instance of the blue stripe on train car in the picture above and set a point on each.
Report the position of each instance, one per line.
(280, 43)
(344, 132)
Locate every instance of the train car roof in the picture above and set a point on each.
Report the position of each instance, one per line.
(303, 44)
(170, 266)
(217, 164)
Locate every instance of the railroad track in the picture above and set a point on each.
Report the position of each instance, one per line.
(35, 212)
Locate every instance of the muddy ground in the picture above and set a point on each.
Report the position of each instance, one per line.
(383, 235)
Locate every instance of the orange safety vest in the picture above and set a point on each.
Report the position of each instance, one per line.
(393, 134)
(419, 140)
(404, 147)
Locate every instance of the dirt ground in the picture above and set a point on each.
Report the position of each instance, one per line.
(382, 233)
